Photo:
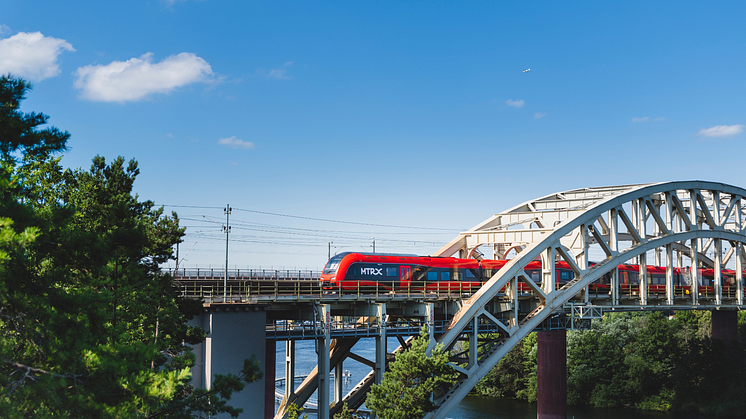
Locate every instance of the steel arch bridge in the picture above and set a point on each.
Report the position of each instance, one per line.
(678, 221)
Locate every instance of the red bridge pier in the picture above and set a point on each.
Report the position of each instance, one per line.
(551, 355)
(270, 356)
(725, 325)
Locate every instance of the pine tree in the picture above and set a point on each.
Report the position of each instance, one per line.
(406, 390)
(345, 413)
(89, 326)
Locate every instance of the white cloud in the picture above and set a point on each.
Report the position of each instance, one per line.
(138, 78)
(277, 73)
(234, 142)
(4, 29)
(643, 119)
(170, 3)
(539, 115)
(31, 55)
(660, 118)
(722, 130)
(515, 103)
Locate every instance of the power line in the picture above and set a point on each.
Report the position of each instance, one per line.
(318, 219)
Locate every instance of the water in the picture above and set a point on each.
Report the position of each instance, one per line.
(472, 407)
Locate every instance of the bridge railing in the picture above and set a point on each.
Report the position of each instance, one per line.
(273, 285)
(244, 285)
(243, 274)
(354, 327)
(256, 290)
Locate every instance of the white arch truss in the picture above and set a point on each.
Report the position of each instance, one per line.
(677, 221)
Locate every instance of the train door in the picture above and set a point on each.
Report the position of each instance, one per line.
(406, 273)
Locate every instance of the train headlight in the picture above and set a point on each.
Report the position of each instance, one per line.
(333, 278)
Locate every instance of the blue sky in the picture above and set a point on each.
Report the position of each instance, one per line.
(417, 115)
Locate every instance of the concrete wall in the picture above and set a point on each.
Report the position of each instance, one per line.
(233, 334)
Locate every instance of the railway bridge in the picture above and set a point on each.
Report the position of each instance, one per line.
(674, 225)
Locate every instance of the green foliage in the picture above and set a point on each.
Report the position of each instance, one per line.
(406, 390)
(89, 326)
(626, 360)
(515, 374)
(645, 360)
(19, 131)
(345, 413)
(200, 402)
(652, 362)
(742, 325)
(293, 412)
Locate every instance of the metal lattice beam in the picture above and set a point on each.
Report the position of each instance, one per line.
(686, 217)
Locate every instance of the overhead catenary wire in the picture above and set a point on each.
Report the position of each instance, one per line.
(321, 236)
(281, 229)
(266, 238)
(300, 217)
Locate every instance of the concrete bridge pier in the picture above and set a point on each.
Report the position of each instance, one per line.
(725, 325)
(551, 395)
(236, 333)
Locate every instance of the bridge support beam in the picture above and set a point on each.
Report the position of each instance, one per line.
(725, 325)
(380, 343)
(270, 358)
(551, 400)
(473, 343)
(430, 314)
(338, 382)
(289, 369)
(323, 361)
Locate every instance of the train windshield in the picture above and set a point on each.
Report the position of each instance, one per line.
(333, 264)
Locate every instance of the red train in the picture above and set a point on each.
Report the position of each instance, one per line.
(348, 271)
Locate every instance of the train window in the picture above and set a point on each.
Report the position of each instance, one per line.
(606, 279)
(333, 264)
(564, 275)
(391, 272)
(445, 276)
(659, 279)
(535, 275)
(418, 274)
(467, 273)
(634, 277)
(432, 276)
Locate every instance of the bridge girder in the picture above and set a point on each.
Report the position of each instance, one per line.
(688, 216)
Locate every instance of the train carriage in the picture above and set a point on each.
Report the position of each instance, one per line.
(349, 271)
